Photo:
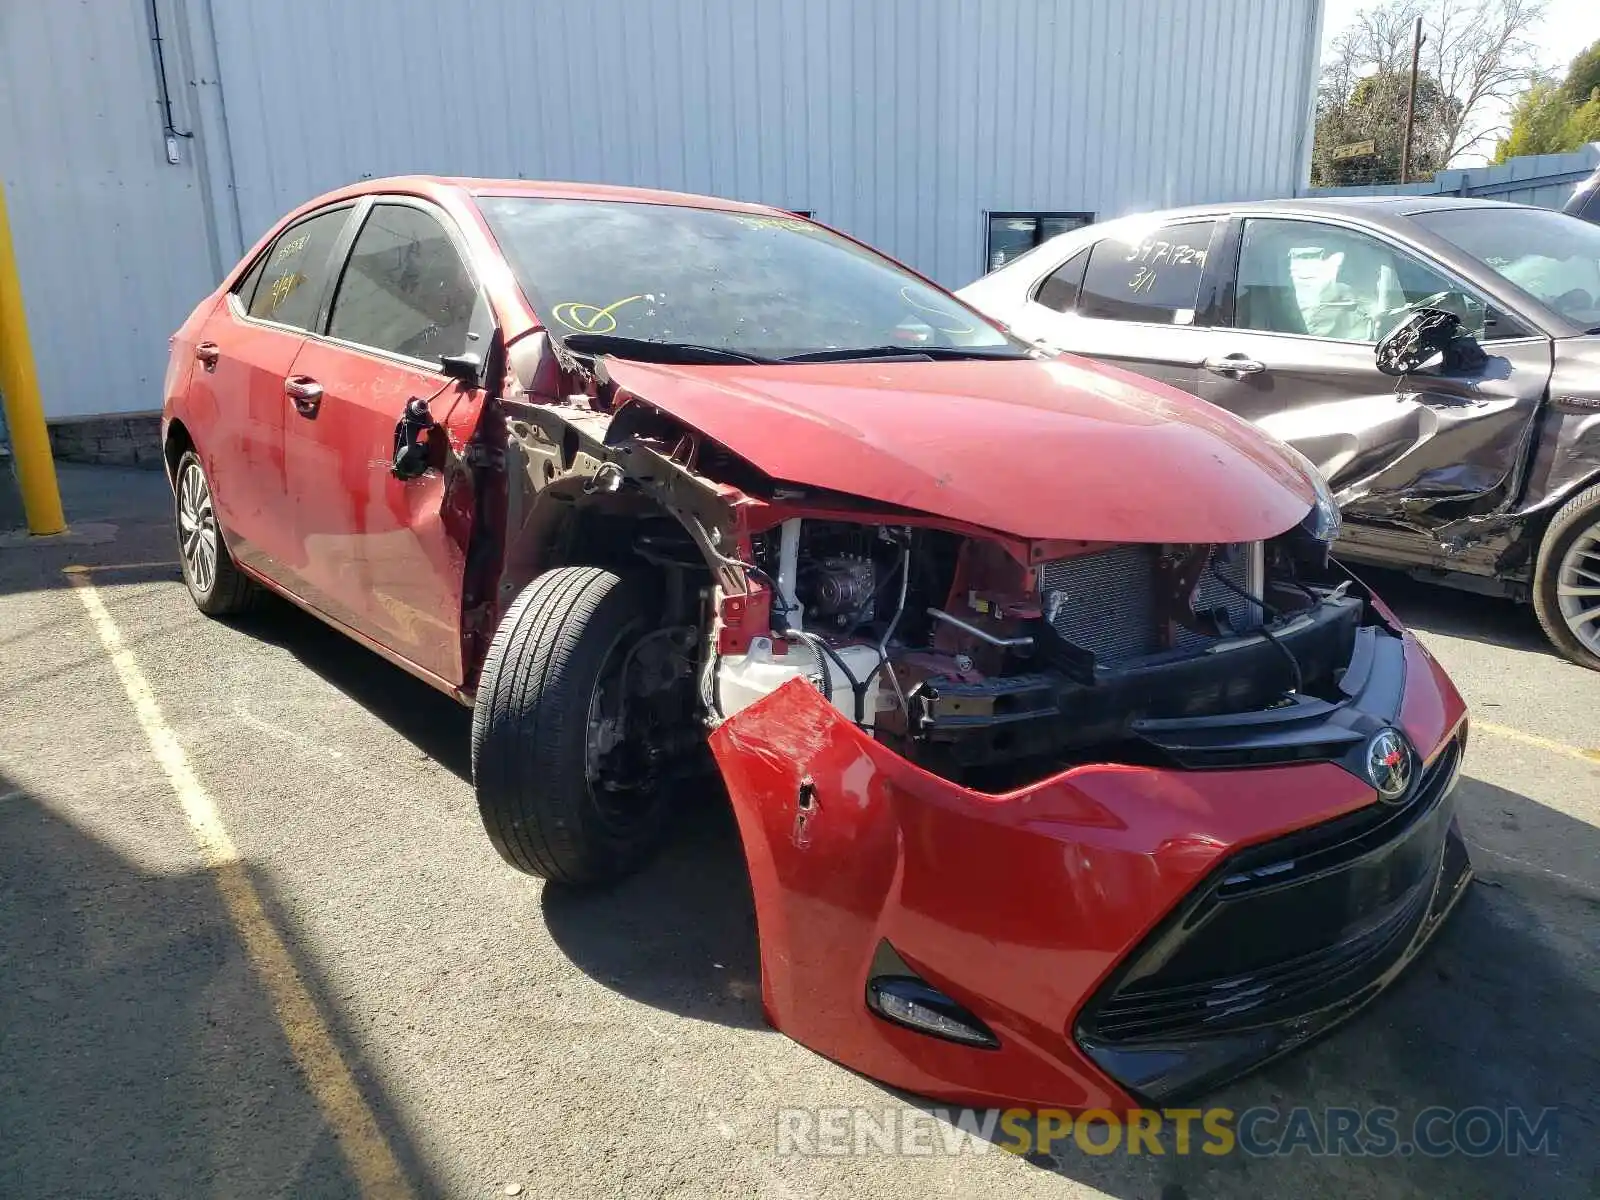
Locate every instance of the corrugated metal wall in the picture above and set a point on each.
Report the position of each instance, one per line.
(1542, 180)
(111, 241)
(900, 121)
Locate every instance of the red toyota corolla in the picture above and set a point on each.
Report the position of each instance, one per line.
(1070, 771)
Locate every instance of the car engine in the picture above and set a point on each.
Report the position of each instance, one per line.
(992, 662)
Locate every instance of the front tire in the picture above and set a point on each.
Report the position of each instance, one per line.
(218, 587)
(1566, 587)
(539, 732)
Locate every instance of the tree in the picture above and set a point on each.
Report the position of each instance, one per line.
(1553, 118)
(1375, 111)
(1583, 126)
(1583, 77)
(1538, 123)
(1475, 53)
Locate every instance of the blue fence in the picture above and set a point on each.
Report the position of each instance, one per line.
(1544, 180)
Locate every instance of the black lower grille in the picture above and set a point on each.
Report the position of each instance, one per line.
(1286, 928)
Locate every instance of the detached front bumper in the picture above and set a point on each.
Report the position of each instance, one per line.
(1127, 935)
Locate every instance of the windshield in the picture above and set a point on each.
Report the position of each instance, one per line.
(1553, 257)
(762, 286)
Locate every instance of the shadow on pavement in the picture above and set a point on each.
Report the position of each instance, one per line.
(424, 716)
(1490, 620)
(139, 1053)
(681, 934)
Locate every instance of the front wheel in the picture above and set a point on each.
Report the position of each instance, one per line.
(218, 587)
(559, 762)
(1566, 585)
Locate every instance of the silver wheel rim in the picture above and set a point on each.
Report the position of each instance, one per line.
(1578, 588)
(197, 528)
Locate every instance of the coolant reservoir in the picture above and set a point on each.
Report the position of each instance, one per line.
(742, 679)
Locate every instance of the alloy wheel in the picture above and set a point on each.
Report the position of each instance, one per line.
(197, 527)
(1578, 588)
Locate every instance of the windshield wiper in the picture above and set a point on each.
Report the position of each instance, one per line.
(930, 353)
(661, 352)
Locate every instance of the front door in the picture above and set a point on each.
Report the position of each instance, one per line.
(237, 390)
(1311, 302)
(385, 555)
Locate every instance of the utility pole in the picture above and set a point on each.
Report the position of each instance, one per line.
(19, 388)
(1411, 102)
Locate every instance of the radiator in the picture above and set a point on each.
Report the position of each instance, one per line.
(1105, 602)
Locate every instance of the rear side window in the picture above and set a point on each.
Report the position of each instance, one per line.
(405, 289)
(1060, 288)
(289, 279)
(1154, 278)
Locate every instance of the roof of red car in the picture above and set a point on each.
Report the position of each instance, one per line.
(548, 189)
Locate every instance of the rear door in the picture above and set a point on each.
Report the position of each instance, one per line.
(1294, 352)
(1132, 301)
(382, 555)
(236, 396)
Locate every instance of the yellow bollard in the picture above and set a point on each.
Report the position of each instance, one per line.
(19, 387)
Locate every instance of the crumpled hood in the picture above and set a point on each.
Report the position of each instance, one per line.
(1058, 448)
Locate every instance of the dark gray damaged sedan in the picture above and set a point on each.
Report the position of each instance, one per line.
(1438, 359)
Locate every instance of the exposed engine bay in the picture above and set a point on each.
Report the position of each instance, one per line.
(989, 658)
(992, 671)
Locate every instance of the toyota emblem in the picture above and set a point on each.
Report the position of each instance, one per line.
(1389, 765)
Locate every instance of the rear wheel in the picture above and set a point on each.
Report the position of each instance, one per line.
(562, 755)
(1566, 591)
(217, 585)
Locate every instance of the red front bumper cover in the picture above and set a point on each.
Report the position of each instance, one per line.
(1107, 925)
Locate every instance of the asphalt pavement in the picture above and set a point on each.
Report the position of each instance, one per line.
(254, 942)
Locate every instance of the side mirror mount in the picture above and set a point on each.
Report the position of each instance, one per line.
(466, 367)
(413, 440)
(1425, 333)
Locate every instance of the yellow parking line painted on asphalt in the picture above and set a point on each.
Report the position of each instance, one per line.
(362, 1143)
(1533, 739)
(88, 568)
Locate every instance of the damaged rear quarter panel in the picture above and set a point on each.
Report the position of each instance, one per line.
(1017, 906)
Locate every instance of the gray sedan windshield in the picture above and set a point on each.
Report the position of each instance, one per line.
(1553, 257)
(757, 284)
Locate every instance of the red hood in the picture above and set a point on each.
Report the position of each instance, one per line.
(1060, 448)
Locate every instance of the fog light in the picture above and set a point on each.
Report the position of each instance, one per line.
(912, 1003)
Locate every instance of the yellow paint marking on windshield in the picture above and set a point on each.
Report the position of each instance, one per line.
(355, 1129)
(590, 318)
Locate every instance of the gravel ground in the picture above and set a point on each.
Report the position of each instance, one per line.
(514, 1039)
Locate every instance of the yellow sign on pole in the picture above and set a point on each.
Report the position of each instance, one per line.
(19, 388)
(1366, 149)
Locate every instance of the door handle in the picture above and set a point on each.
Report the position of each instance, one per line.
(1235, 364)
(208, 353)
(305, 392)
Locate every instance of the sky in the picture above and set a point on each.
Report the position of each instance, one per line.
(1568, 26)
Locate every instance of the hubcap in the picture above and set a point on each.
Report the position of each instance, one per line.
(197, 527)
(1578, 588)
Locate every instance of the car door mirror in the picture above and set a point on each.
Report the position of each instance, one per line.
(1424, 334)
(466, 367)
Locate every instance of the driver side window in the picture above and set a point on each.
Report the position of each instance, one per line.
(1315, 280)
(405, 289)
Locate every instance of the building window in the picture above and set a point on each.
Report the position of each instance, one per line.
(1013, 234)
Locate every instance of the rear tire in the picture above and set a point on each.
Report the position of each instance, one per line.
(1566, 583)
(218, 587)
(534, 731)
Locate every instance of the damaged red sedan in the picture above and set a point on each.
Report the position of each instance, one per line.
(1070, 769)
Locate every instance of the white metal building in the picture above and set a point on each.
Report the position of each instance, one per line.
(949, 132)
